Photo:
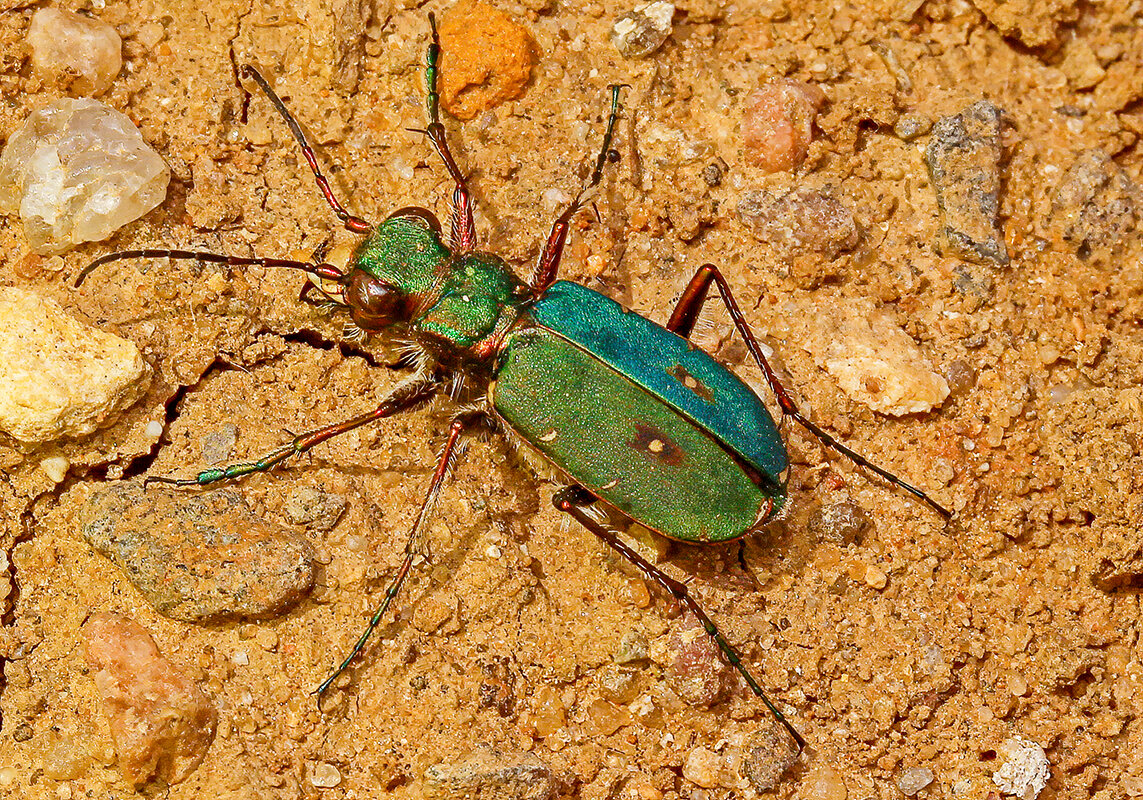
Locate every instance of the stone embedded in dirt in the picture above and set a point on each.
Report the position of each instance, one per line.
(872, 359)
(317, 510)
(800, 220)
(777, 127)
(1096, 205)
(1025, 771)
(77, 171)
(489, 773)
(74, 52)
(769, 755)
(911, 125)
(705, 768)
(633, 649)
(486, 59)
(161, 721)
(963, 157)
(695, 670)
(842, 523)
(59, 377)
(642, 31)
(198, 557)
(911, 781)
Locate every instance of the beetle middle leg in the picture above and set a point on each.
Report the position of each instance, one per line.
(404, 397)
(683, 321)
(574, 501)
(460, 424)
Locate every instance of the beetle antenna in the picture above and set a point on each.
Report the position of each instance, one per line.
(324, 271)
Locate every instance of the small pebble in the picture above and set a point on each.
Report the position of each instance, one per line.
(618, 684)
(77, 171)
(218, 445)
(695, 669)
(910, 126)
(1025, 771)
(488, 772)
(639, 33)
(60, 377)
(74, 52)
(771, 753)
(1097, 205)
(633, 649)
(778, 125)
(8, 776)
(154, 429)
(875, 578)
(161, 721)
(712, 175)
(198, 558)
(799, 221)
(703, 767)
(913, 780)
(317, 510)
(55, 467)
(823, 783)
(486, 59)
(963, 158)
(840, 523)
(325, 776)
(874, 362)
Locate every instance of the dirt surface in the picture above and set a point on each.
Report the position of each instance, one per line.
(898, 646)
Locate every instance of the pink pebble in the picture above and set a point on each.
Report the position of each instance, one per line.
(777, 127)
(162, 723)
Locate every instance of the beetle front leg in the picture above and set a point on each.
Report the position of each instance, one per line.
(462, 228)
(682, 322)
(444, 466)
(403, 398)
(574, 500)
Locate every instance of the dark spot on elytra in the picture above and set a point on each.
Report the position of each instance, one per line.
(679, 372)
(656, 444)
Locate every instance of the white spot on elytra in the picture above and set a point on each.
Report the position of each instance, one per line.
(690, 382)
(610, 484)
(656, 446)
(550, 436)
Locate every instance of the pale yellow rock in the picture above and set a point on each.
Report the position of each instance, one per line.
(872, 359)
(59, 377)
(74, 51)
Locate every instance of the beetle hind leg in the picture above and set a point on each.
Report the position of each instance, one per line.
(682, 322)
(576, 502)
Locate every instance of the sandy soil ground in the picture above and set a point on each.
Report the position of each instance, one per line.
(905, 646)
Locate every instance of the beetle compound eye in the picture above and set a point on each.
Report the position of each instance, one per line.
(422, 216)
(373, 303)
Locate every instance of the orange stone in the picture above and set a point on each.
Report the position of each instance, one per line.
(486, 59)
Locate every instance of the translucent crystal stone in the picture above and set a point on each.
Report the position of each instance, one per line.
(77, 171)
(74, 52)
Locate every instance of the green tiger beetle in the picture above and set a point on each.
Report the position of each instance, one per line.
(637, 422)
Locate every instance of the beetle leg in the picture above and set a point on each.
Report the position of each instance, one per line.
(548, 266)
(404, 397)
(574, 501)
(459, 424)
(462, 228)
(682, 322)
(351, 222)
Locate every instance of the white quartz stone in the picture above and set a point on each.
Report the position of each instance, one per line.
(77, 171)
(74, 52)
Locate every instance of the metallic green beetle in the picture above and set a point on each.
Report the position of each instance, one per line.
(628, 414)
